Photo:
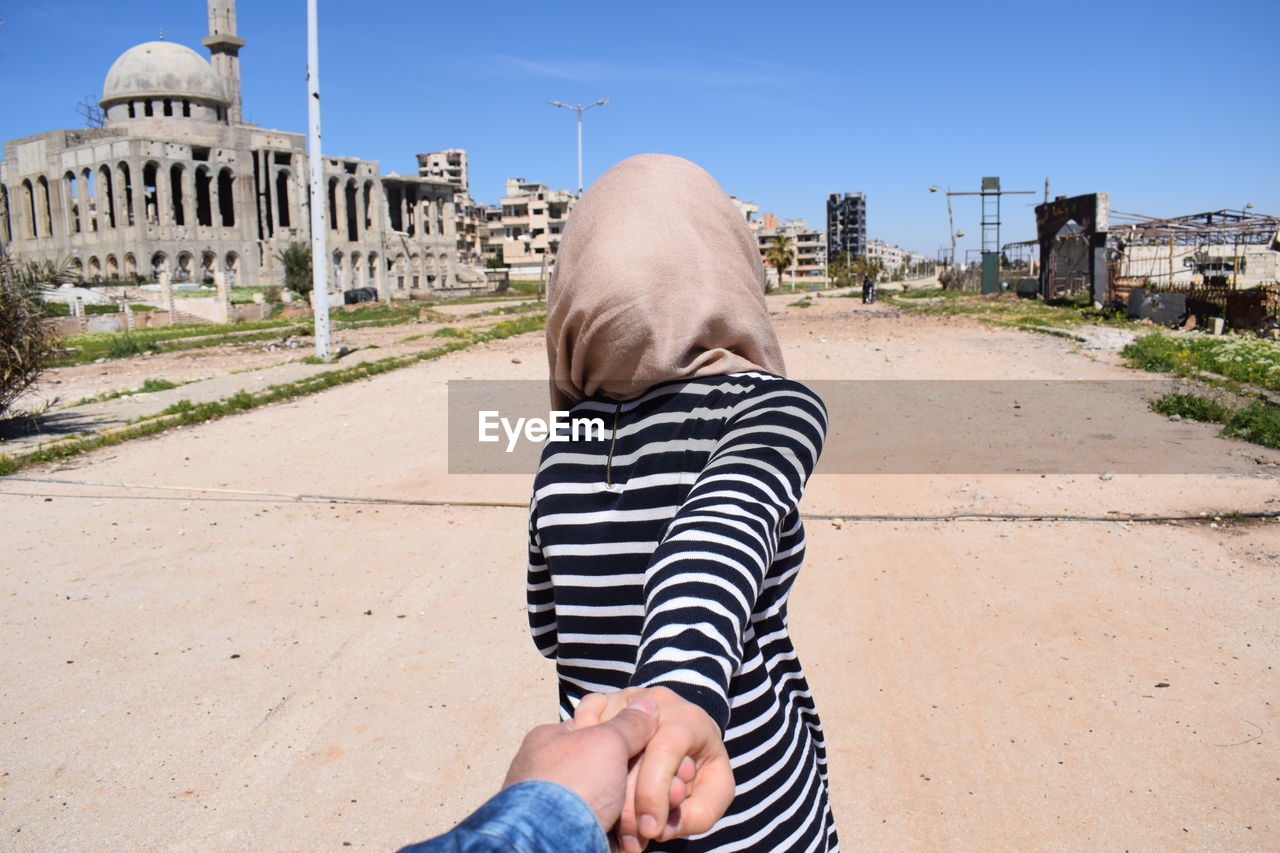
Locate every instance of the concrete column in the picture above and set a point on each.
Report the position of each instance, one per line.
(166, 291)
(117, 192)
(189, 197)
(164, 207)
(100, 199)
(340, 218)
(450, 219)
(224, 291)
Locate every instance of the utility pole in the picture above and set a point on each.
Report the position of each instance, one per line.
(319, 228)
(579, 109)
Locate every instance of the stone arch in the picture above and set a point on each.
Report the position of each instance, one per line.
(71, 190)
(107, 187)
(283, 177)
(416, 271)
(177, 202)
(160, 265)
(398, 269)
(185, 262)
(204, 196)
(208, 262)
(227, 198)
(88, 201)
(6, 224)
(232, 262)
(113, 268)
(351, 194)
(372, 267)
(126, 184)
(442, 260)
(357, 270)
(333, 204)
(95, 269)
(130, 267)
(151, 192)
(77, 269)
(46, 209)
(28, 209)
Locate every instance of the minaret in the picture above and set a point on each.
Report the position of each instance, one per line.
(224, 45)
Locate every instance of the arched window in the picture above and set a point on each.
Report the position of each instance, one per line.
(168, 107)
(46, 213)
(282, 198)
(133, 113)
(89, 204)
(113, 268)
(353, 212)
(186, 108)
(233, 268)
(176, 199)
(227, 198)
(146, 108)
(204, 203)
(333, 204)
(126, 183)
(95, 269)
(71, 186)
(130, 268)
(151, 193)
(159, 265)
(6, 224)
(108, 190)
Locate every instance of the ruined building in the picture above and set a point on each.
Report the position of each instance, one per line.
(847, 224)
(177, 187)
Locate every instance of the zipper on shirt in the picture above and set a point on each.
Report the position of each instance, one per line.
(613, 443)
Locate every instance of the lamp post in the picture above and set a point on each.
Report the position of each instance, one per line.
(951, 226)
(579, 109)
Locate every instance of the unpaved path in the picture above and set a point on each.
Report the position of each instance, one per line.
(193, 666)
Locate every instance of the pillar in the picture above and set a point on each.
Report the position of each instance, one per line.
(164, 207)
(224, 291)
(166, 290)
(190, 210)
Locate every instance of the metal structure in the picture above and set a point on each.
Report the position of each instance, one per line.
(990, 194)
(579, 109)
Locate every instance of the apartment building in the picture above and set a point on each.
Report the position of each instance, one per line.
(847, 224)
(809, 246)
(450, 167)
(528, 225)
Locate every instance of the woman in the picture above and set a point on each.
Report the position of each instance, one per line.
(662, 555)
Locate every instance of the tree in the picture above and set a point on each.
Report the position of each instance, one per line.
(26, 342)
(779, 254)
(865, 266)
(296, 260)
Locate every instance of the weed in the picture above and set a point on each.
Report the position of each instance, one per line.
(1193, 407)
(152, 385)
(1256, 422)
(1251, 360)
(449, 332)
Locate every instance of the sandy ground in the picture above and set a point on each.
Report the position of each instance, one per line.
(194, 662)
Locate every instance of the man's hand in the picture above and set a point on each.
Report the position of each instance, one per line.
(665, 805)
(590, 761)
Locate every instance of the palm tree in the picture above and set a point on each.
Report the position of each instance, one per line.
(779, 254)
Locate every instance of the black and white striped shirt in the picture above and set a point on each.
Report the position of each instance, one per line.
(664, 555)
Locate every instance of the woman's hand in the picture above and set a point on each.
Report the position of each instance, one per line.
(683, 782)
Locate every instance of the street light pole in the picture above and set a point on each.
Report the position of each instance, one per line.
(319, 271)
(579, 109)
(951, 225)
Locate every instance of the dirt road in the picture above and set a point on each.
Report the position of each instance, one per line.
(195, 661)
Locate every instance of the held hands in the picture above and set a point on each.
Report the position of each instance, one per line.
(591, 762)
(683, 782)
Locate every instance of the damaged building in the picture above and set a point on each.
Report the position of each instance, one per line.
(176, 187)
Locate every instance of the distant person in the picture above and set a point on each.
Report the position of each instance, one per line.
(662, 557)
(868, 290)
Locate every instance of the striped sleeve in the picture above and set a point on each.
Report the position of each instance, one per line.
(703, 579)
(539, 593)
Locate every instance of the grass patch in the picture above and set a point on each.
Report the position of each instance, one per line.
(801, 303)
(148, 386)
(1256, 422)
(1251, 360)
(186, 412)
(1005, 309)
(449, 332)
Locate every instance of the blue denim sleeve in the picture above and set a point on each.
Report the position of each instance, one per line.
(529, 817)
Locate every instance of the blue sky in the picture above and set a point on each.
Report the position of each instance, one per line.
(1172, 107)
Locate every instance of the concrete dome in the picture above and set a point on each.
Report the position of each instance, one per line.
(161, 69)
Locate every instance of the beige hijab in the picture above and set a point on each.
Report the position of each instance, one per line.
(658, 278)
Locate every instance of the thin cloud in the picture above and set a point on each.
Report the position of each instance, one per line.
(649, 73)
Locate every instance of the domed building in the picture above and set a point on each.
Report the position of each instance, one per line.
(176, 187)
